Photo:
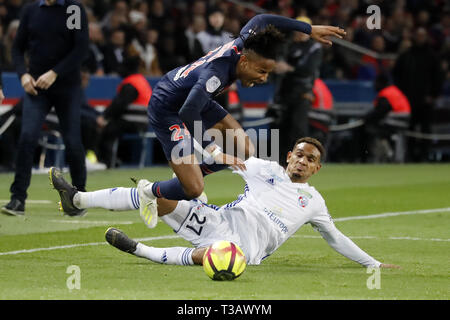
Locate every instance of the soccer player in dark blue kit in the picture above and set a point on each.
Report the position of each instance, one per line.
(184, 96)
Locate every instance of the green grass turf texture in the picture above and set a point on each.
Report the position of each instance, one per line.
(305, 267)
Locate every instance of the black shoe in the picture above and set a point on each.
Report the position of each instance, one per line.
(120, 240)
(14, 208)
(66, 193)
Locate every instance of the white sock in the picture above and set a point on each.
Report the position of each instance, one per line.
(176, 255)
(112, 199)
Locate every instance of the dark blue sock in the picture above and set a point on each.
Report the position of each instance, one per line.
(173, 190)
(169, 189)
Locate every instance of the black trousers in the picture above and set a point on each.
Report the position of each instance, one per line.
(66, 100)
(421, 121)
(294, 123)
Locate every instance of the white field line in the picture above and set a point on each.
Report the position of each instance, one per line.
(82, 245)
(100, 222)
(378, 238)
(393, 214)
(374, 216)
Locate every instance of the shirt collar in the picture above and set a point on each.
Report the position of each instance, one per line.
(58, 2)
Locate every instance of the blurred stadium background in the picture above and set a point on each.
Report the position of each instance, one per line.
(348, 68)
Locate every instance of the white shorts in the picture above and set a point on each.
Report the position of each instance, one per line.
(200, 224)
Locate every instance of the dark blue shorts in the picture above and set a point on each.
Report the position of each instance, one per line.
(171, 131)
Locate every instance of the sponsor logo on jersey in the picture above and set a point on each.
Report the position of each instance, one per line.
(275, 219)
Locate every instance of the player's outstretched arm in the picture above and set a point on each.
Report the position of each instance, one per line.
(345, 246)
(321, 33)
(284, 24)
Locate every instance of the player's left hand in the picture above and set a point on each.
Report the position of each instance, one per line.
(46, 80)
(321, 33)
(234, 162)
(2, 96)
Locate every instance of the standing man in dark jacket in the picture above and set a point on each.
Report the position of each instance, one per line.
(418, 75)
(295, 90)
(54, 33)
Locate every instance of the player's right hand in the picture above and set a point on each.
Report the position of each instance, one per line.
(321, 33)
(29, 84)
(234, 162)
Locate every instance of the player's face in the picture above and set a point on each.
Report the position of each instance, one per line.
(253, 69)
(303, 162)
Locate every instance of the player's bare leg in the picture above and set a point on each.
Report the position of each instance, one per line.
(190, 175)
(235, 136)
(189, 183)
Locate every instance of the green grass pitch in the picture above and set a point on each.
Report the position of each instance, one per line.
(36, 251)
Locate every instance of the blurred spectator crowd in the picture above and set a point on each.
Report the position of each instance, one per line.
(169, 33)
(411, 47)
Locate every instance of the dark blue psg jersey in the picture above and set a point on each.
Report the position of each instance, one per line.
(216, 70)
(186, 90)
(212, 73)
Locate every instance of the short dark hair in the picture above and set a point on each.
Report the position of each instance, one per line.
(266, 42)
(314, 142)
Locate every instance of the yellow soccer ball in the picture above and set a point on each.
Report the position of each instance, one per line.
(224, 260)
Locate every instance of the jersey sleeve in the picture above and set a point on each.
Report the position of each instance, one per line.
(211, 79)
(323, 223)
(253, 166)
(283, 24)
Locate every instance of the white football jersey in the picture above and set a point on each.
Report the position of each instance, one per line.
(273, 208)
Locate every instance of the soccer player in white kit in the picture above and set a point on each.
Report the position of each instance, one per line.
(276, 202)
